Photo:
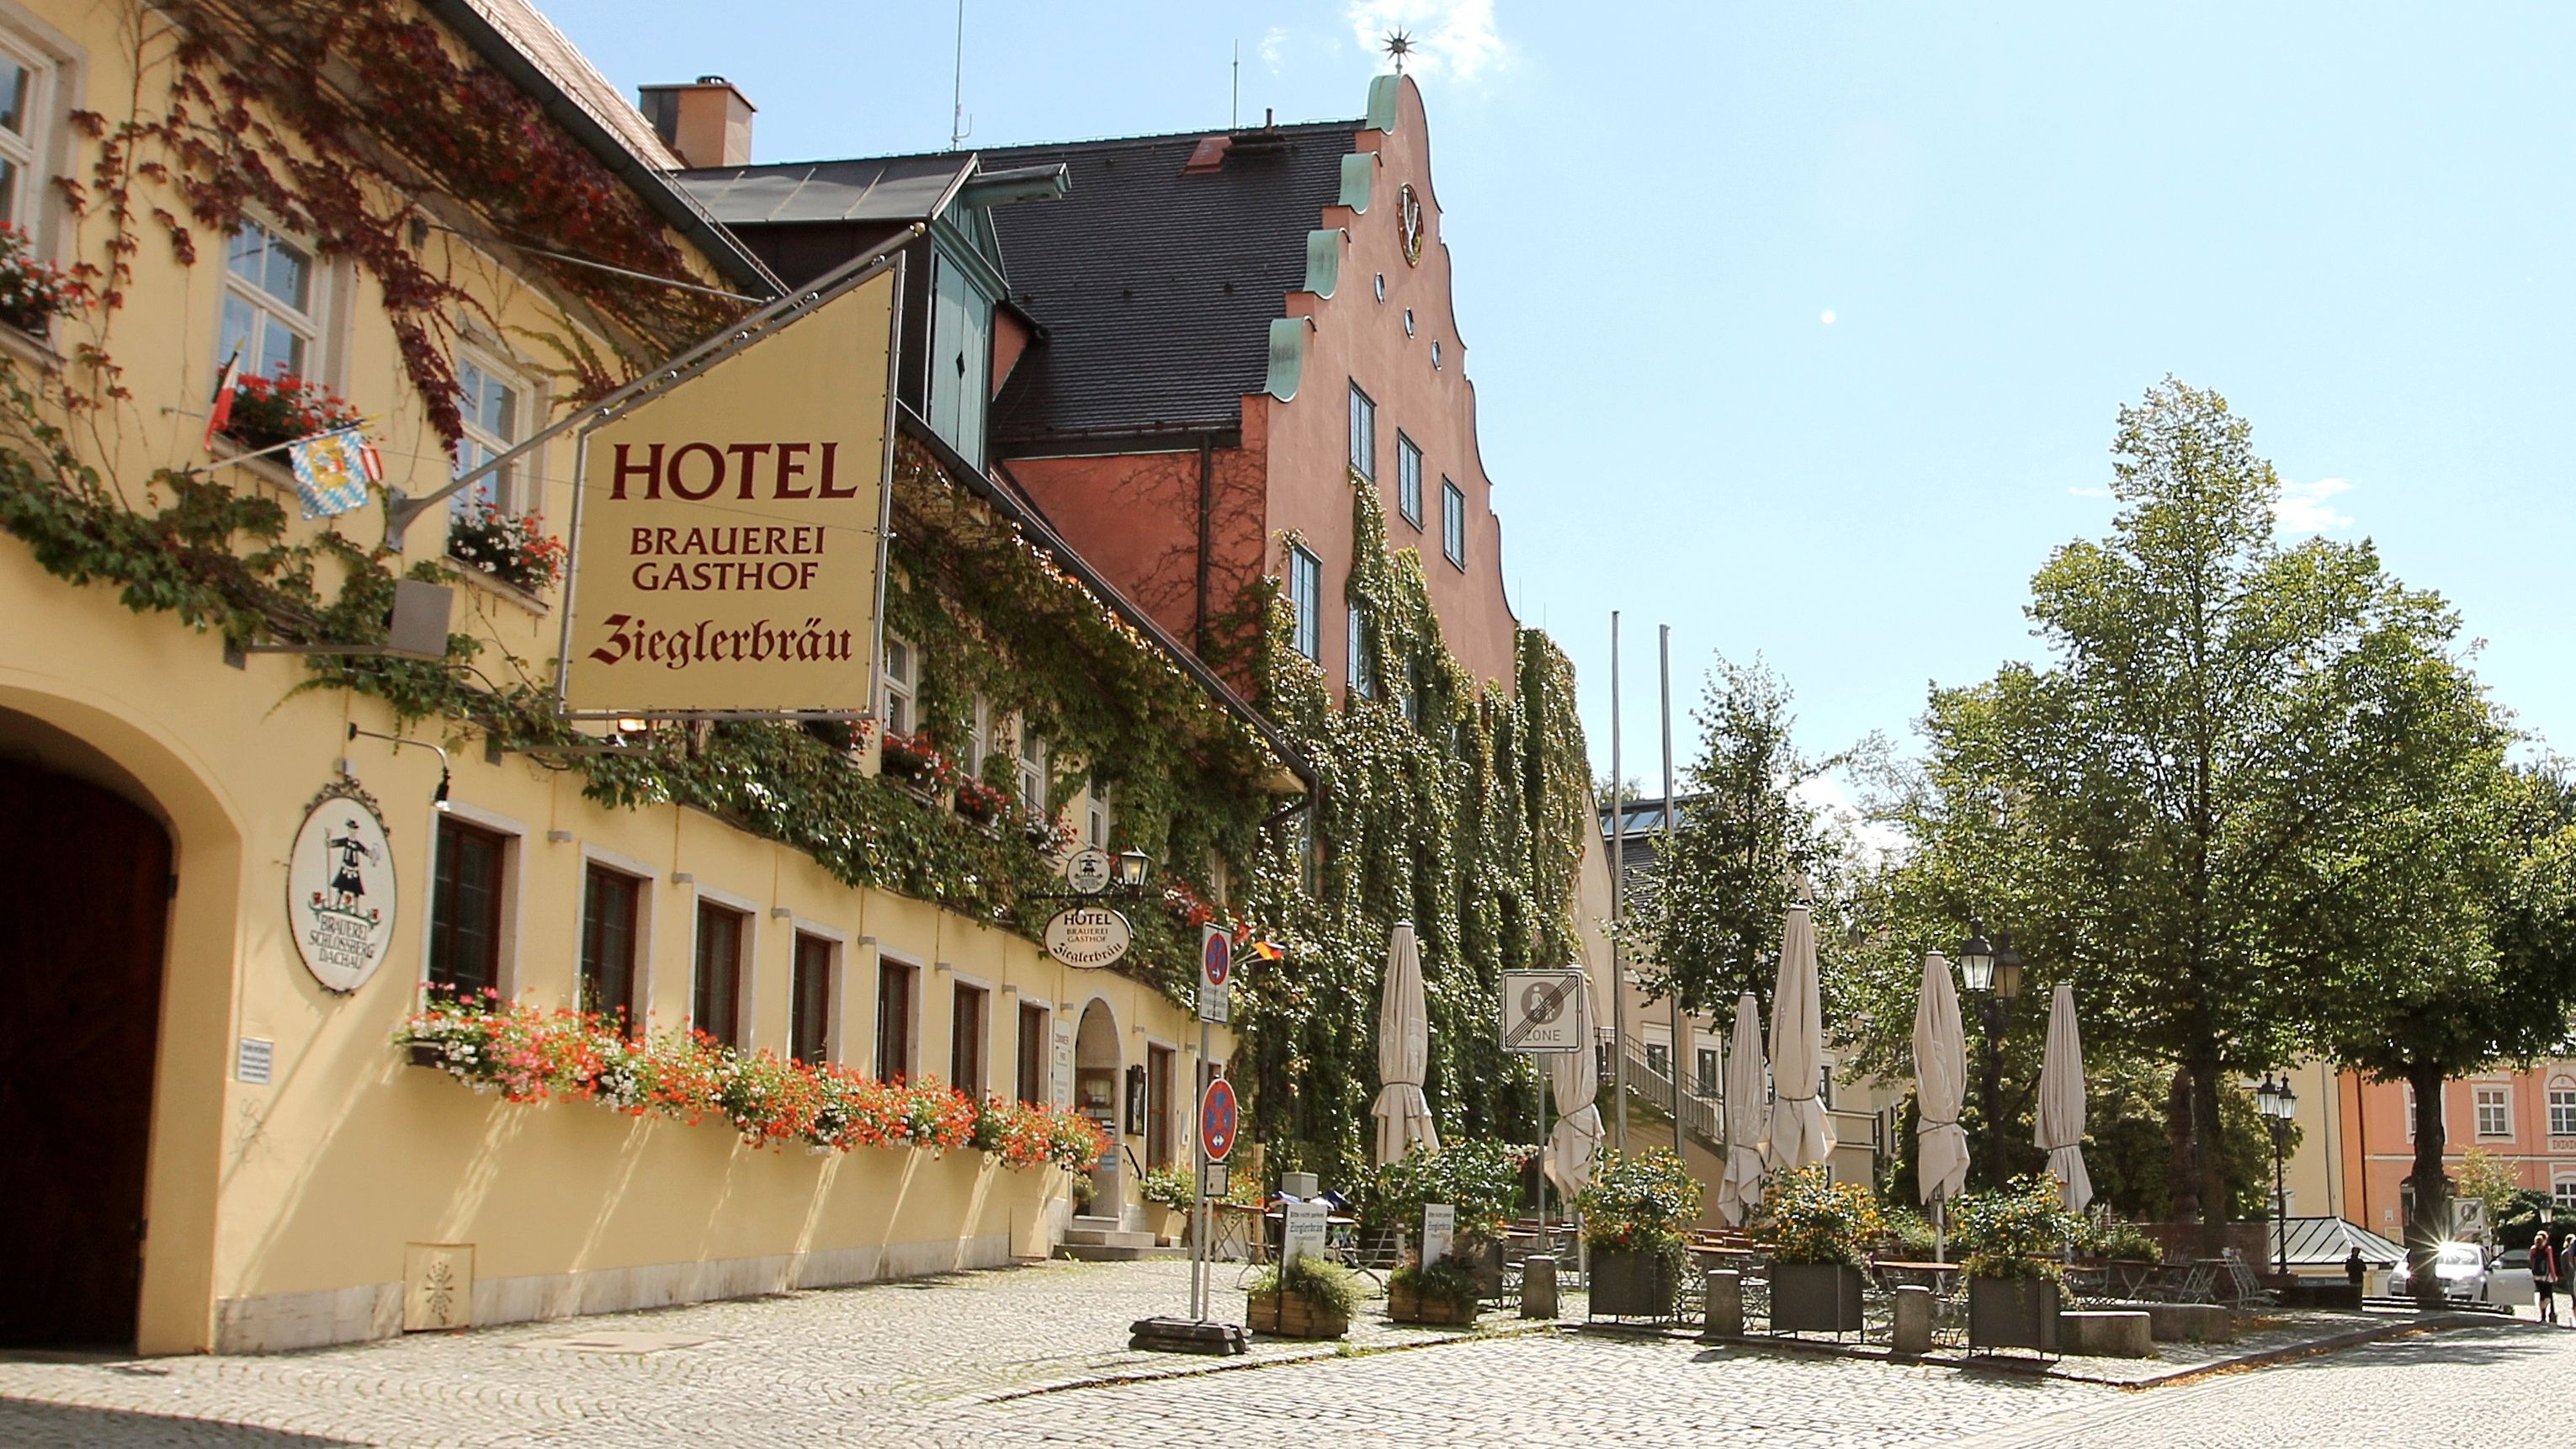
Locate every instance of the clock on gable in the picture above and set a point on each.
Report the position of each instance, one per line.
(1408, 218)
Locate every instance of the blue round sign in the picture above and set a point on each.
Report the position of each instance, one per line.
(1217, 1120)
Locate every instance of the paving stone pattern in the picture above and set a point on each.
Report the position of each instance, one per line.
(980, 1359)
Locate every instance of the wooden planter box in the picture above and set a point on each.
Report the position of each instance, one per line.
(1405, 1305)
(1632, 1285)
(1815, 1298)
(1294, 1315)
(2012, 1313)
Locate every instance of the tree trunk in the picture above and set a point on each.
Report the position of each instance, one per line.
(2431, 1220)
(2209, 1159)
(2180, 1182)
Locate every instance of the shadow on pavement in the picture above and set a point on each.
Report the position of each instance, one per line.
(25, 1425)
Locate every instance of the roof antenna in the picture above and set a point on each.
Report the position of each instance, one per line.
(1234, 116)
(958, 125)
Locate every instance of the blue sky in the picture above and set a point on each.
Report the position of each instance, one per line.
(2354, 220)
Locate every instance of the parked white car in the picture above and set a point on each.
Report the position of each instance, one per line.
(2466, 1272)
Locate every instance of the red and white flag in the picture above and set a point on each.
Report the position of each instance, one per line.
(220, 412)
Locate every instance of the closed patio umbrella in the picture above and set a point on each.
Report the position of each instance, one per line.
(2060, 1130)
(1403, 1051)
(1799, 1133)
(1747, 1116)
(1940, 1085)
(1575, 1079)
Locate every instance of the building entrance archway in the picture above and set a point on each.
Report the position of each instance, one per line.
(1097, 1074)
(85, 886)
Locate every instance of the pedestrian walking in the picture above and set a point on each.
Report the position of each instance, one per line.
(2544, 1276)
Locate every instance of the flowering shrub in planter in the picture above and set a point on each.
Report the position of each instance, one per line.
(268, 411)
(980, 802)
(1633, 1210)
(516, 549)
(911, 757)
(530, 1054)
(33, 293)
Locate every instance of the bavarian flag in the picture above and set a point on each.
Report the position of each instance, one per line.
(332, 471)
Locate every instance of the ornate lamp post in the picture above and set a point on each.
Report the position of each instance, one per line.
(1991, 970)
(2279, 1103)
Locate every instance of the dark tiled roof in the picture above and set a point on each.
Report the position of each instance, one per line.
(1156, 289)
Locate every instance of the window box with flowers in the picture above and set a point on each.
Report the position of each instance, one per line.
(268, 412)
(981, 803)
(912, 762)
(514, 549)
(34, 292)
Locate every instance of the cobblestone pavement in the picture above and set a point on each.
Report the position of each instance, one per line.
(982, 1359)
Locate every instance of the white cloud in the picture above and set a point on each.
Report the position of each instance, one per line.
(2302, 507)
(1274, 47)
(1874, 839)
(1455, 37)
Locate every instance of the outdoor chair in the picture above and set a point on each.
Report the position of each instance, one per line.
(2243, 1288)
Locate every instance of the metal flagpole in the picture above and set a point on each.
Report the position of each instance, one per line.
(1663, 859)
(1618, 912)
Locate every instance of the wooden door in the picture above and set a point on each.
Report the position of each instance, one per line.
(85, 887)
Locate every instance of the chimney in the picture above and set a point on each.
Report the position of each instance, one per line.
(706, 123)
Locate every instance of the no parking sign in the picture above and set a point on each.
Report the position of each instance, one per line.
(1216, 973)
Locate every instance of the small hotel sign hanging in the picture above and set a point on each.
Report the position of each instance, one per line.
(729, 529)
(340, 888)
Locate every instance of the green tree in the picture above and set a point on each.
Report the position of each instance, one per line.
(2161, 811)
(1745, 842)
(2464, 924)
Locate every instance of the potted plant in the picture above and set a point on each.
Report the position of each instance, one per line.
(2014, 1237)
(1817, 1230)
(1633, 1210)
(516, 549)
(980, 802)
(1445, 1291)
(1308, 1298)
(1170, 1194)
(268, 411)
(915, 763)
(1479, 1177)
(33, 293)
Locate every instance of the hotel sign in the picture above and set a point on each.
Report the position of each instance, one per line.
(729, 528)
(1088, 937)
(340, 888)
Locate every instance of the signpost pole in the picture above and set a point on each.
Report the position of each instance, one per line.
(1199, 1224)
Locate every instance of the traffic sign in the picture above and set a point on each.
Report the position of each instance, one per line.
(1216, 973)
(1088, 937)
(1216, 1121)
(1088, 870)
(1538, 1011)
(1214, 1178)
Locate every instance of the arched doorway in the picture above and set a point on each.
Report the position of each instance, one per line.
(1096, 1085)
(85, 885)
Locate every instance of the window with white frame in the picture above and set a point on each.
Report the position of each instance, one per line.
(2562, 1108)
(980, 738)
(1099, 817)
(26, 101)
(487, 403)
(1363, 434)
(271, 287)
(2495, 1114)
(1033, 769)
(895, 685)
(1306, 597)
(2563, 1193)
(1453, 523)
(1408, 480)
(1363, 681)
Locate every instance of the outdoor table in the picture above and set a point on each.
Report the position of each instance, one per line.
(1936, 1276)
(1238, 1225)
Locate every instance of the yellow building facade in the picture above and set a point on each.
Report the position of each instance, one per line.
(300, 1183)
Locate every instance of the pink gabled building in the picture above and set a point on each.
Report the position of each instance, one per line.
(2526, 1118)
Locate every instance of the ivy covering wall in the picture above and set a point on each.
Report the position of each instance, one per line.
(1453, 803)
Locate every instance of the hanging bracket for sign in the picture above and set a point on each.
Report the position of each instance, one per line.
(730, 517)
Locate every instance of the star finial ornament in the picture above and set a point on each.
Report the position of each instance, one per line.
(1399, 44)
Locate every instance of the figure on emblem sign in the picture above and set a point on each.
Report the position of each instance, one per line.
(347, 884)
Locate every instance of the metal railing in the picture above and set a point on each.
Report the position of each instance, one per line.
(1697, 1115)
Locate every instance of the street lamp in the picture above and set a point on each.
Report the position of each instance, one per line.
(1130, 868)
(2279, 1103)
(1992, 970)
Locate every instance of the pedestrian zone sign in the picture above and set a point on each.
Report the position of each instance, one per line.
(1538, 1011)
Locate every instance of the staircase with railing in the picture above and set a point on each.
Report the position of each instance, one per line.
(1697, 1115)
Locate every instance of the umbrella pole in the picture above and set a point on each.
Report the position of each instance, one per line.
(1618, 910)
(1940, 1230)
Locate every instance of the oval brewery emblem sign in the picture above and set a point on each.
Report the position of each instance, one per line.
(340, 888)
(1088, 937)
